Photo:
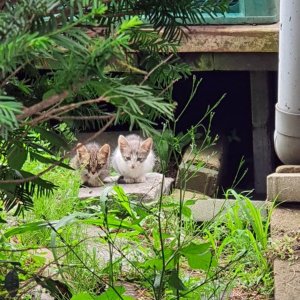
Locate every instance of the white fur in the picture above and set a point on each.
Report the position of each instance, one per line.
(138, 172)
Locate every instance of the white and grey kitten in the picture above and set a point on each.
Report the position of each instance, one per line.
(133, 158)
(93, 161)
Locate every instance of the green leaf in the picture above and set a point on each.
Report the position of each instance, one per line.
(154, 263)
(129, 24)
(193, 248)
(17, 156)
(201, 262)
(186, 211)
(111, 294)
(190, 202)
(52, 137)
(123, 199)
(175, 282)
(83, 296)
(27, 228)
(199, 256)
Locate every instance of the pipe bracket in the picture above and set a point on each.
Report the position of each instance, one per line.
(287, 123)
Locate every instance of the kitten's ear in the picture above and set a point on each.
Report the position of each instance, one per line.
(104, 153)
(81, 150)
(146, 145)
(122, 142)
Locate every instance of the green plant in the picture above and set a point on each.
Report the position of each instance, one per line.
(244, 230)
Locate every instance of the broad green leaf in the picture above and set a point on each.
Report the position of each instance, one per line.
(17, 156)
(199, 256)
(186, 211)
(193, 248)
(153, 264)
(113, 294)
(201, 262)
(175, 282)
(83, 296)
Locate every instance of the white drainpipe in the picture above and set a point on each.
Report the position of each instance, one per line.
(287, 116)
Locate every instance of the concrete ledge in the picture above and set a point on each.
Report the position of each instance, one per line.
(147, 191)
(283, 187)
(231, 38)
(205, 209)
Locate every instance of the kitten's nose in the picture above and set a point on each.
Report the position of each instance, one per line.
(93, 172)
(132, 166)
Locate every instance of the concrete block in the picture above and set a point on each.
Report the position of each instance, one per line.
(283, 187)
(148, 191)
(205, 209)
(202, 179)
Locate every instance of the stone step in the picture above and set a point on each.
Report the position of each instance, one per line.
(206, 208)
(285, 225)
(147, 191)
(203, 179)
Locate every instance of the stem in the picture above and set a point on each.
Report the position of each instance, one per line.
(161, 283)
(110, 248)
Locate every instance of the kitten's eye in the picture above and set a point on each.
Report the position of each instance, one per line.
(99, 167)
(139, 159)
(127, 158)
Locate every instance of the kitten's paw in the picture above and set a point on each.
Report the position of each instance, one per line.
(140, 179)
(125, 180)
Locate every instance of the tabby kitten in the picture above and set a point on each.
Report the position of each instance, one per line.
(93, 162)
(133, 158)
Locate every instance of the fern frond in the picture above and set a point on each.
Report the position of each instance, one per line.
(8, 111)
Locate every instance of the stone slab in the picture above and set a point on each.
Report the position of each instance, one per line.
(285, 222)
(283, 187)
(205, 209)
(148, 191)
(202, 180)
